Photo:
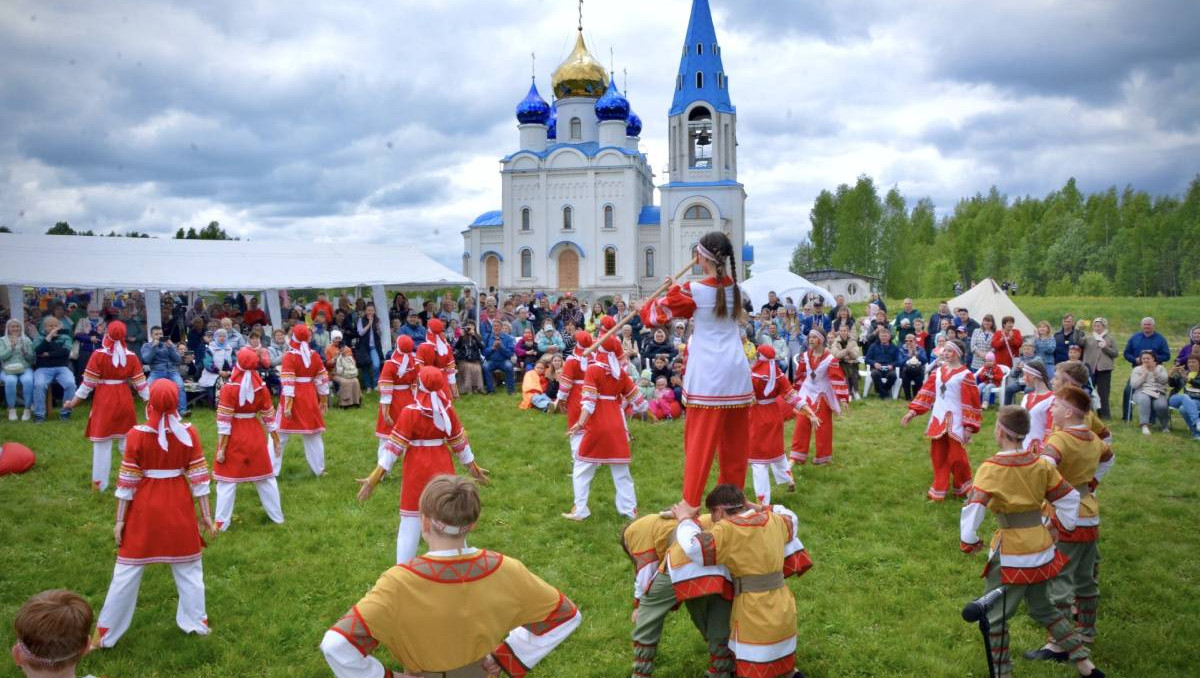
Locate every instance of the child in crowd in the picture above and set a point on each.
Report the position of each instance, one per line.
(662, 401)
(52, 634)
(1015, 383)
(990, 378)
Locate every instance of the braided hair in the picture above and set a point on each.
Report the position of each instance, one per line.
(721, 248)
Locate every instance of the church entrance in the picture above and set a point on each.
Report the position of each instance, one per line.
(491, 272)
(568, 270)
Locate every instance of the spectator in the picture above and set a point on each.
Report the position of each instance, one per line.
(839, 303)
(964, 323)
(553, 370)
(885, 360)
(842, 317)
(677, 335)
(1015, 383)
(60, 312)
(233, 336)
(533, 386)
(981, 341)
(413, 328)
(1045, 346)
(845, 348)
(549, 340)
(1069, 335)
(878, 301)
(592, 322)
(219, 359)
(498, 355)
(428, 312)
(814, 321)
(333, 348)
(878, 323)
(1099, 353)
(569, 312)
(321, 305)
(320, 333)
(369, 351)
(1149, 383)
(89, 332)
(195, 336)
(197, 312)
(52, 355)
(629, 346)
(904, 320)
(1191, 348)
(990, 379)
(635, 322)
(924, 340)
(658, 343)
(772, 338)
(749, 347)
(1185, 393)
(341, 321)
(943, 312)
(1147, 340)
(527, 351)
(399, 306)
(1006, 343)
(345, 376)
(912, 367)
(944, 329)
(448, 313)
(278, 347)
(254, 315)
(468, 357)
(660, 367)
(17, 358)
(161, 357)
(773, 304)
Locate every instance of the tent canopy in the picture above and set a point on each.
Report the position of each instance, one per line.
(987, 297)
(785, 284)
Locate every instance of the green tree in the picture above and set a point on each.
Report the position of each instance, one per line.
(61, 228)
(822, 237)
(803, 258)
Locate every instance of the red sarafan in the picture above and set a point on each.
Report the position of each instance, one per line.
(15, 458)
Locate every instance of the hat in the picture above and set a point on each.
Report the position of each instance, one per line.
(766, 351)
(335, 335)
(991, 355)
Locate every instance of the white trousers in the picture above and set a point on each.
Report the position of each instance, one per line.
(408, 538)
(314, 451)
(626, 499)
(781, 468)
(102, 461)
(117, 612)
(268, 494)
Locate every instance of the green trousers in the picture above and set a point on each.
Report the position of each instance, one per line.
(710, 614)
(1037, 600)
(1076, 591)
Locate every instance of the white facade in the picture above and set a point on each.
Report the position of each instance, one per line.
(853, 287)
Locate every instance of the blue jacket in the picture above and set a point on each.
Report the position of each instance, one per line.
(416, 332)
(887, 355)
(159, 357)
(1140, 342)
(820, 320)
(504, 352)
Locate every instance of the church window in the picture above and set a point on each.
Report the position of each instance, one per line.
(699, 48)
(526, 218)
(610, 261)
(697, 213)
(568, 218)
(527, 263)
(608, 216)
(700, 138)
(649, 263)
(576, 129)
(466, 265)
(699, 80)
(679, 82)
(721, 80)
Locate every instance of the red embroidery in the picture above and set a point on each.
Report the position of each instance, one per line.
(562, 613)
(470, 569)
(507, 659)
(354, 629)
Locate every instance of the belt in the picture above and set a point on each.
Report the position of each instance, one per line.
(767, 401)
(469, 671)
(434, 442)
(1019, 519)
(302, 380)
(401, 387)
(606, 397)
(162, 472)
(756, 583)
(112, 382)
(245, 415)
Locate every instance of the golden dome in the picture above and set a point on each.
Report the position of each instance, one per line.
(580, 75)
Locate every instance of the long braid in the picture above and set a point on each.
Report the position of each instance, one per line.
(721, 309)
(738, 310)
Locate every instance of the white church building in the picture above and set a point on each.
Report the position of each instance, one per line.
(578, 210)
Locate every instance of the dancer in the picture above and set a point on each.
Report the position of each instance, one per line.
(821, 387)
(396, 382)
(1023, 558)
(436, 337)
(424, 436)
(766, 426)
(112, 415)
(1038, 400)
(952, 398)
(716, 385)
(455, 611)
(303, 401)
(605, 436)
(162, 474)
(761, 549)
(1075, 373)
(570, 386)
(52, 631)
(244, 412)
(1084, 460)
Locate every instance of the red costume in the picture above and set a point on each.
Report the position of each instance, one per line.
(952, 397)
(396, 382)
(570, 384)
(245, 414)
(444, 360)
(766, 425)
(112, 415)
(821, 385)
(304, 378)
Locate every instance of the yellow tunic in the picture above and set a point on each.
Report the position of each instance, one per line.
(1078, 454)
(752, 545)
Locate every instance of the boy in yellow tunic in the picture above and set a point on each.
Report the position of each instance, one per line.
(1013, 484)
(456, 612)
(1083, 460)
(754, 544)
(1075, 373)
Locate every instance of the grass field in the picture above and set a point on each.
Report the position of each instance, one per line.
(882, 600)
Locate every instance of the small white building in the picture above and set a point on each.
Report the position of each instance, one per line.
(853, 286)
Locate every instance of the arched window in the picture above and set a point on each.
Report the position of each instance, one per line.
(699, 48)
(610, 261)
(679, 82)
(608, 216)
(568, 218)
(697, 212)
(699, 80)
(576, 128)
(649, 263)
(527, 263)
(526, 218)
(700, 137)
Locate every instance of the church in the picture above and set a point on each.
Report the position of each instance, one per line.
(578, 210)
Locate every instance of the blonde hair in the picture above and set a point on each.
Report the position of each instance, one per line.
(450, 501)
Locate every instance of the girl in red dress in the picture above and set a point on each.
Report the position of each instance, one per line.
(425, 434)
(436, 337)
(245, 414)
(162, 474)
(112, 415)
(820, 386)
(951, 397)
(716, 385)
(766, 426)
(570, 385)
(605, 437)
(304, 399)
(396, 383)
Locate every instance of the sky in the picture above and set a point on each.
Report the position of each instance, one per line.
(384, 122)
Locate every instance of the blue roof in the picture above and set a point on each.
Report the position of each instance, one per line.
(747, 253)
(650, 216)
(590, 149)
(493, 218)
(701, 54)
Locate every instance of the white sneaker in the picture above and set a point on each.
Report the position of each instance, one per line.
(26, 415)
(12, 414)
(1145, 430)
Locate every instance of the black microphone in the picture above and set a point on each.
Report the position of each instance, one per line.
(977, 609)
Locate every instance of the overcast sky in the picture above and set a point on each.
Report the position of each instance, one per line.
(385, 121)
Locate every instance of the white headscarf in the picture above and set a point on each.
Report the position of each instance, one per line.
(772, 373)
(441, 417)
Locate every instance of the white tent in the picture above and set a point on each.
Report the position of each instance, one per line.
(784, 284)
(987, 297)
(156, 264)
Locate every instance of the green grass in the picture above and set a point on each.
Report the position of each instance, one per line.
(882, 600)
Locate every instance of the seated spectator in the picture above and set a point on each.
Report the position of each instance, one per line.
(468, 356)
(413, 328)
(345, 375)
(845, 349)
(1015, 384)
(990, 379)
(814, 319)
(53, 630)
(885, 360)
(1185, 392)
(749, 347)
(527, 351)
(219, 359)
(944, 328)
(195, 336)
(235, 338)
(162, 358)
(772, 338)
(278, 347)
(533, 387)
(662, 403)
(549, 341)
(320, 333)
(842, 317)
(333, 348)
(17, 358)
(677, 377)
(1191, 348)
(878, 323)
(52, 355)
(1147, 340)
(678, 335)
(254, 315)
(499, 354)
(1149, 382)
(629, 345)
(553, 370)
(912, 367)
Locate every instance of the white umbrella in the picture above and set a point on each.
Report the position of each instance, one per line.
(784, 284)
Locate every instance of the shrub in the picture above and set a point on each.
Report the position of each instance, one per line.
(1094, 284)
(1063, 287)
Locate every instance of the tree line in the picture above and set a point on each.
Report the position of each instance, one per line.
(1125, 243)
(212, 231)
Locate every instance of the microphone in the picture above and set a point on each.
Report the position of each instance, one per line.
(977, 609)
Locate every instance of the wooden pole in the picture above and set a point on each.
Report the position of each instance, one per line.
(630, 315)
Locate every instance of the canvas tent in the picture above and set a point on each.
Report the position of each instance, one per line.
(155, 265)
(784, 284)
(987, 297)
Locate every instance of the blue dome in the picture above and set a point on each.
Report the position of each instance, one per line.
(533, 109)
(612, 106)
(634, 126)
(552, 126)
